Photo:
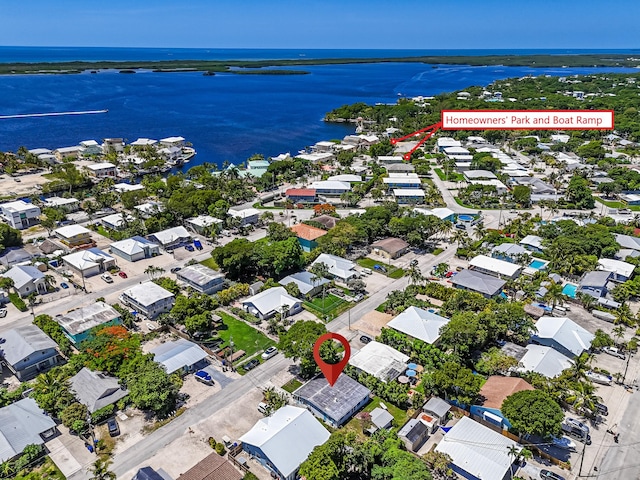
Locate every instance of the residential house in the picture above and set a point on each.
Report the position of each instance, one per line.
(628, 242)
(204, 224)
(96, 390)
(23, 423)
(510, 252)
(532, 243)
(456, 152)
(326, 157)
(284, 440)
(437, 408)
(113, 144)
(27, 279)
(387, 160)
(340, 268)
(399, 167)
(307, 235)
(486, 285)
(350, 178)
(301, 195)
(148, 473)
(323, 146)
(148, 299)
(64, 153)
(402, 181)
(487, 457)
(381, 419)
(446, 142)
(380, 360)
(334, 404)
(620, 271)
(15, 256)
(101, 170)
(91, 147)
(543, 360)
(90, 262)
(408, 196)
(143, 142)
(211, 467)
(202, 279)
(68, 205)
(248, 216)
(562, 334)
(327, 221)
(267, 303)
(413, 434)
(444, 214)
(149, 209)
(308, 284)
(420, 324)
(330, 188)
(134, 249)
(495, 267)
(20, 214)
(255, 288)
(77, 324)
(27, 351)
(179, 355)
(479, 175)
(494, 391)
(390, 248)
(595, 283)
(171, 238)
(257, 168)
(500, 187)
(73, 235)
(127, 187)
(173, 142)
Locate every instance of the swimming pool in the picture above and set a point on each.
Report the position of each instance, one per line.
(465, 218)
(537, 264)
(570, 290)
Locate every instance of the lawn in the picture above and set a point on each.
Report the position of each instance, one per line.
(211, 263)
(244, 337)
(635, 208)
(331, 307)
(453, 176)
(400, 417)
(392, 272)
(292, 385)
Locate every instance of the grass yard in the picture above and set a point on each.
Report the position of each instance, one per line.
(400, 417)
(453, 176)
(610, 204)
(392, 272)
(292, 385)
(437, 251)
(332, 306)
(244, 337)
(211, 263)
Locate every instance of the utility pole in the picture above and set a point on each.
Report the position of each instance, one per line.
(584, 446)
(349, 319)
(626, 368)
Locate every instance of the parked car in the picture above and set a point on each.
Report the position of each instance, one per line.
(269, 352)
(358, 297)
(189, 248)
(602, 409)
(121, 274)
(106, 277)
(564, 443)
(364, 339)
(367, 271)
(448, 274)
(64, 285)
(459, 226)
(251, 364)
(263, 408)
(380, 267)
(3, 312)
(614, 352)
(176, 269)
(549, 475)
(114, 429)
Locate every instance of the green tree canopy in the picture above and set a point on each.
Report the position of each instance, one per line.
(533, 412)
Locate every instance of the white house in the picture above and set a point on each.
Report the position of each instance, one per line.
(91, 147)
(201, 278)
(127, 187)
(173, 142)
(380, 360)
(408, 196)
(113, 144)
(419, 323)
(20, 214)
(66, 204)
(269, 302)
(563, 335)
(148, 299)
(101, 170)
(247, 216)
(134, 249)
(621, 271)
(201, 223)
(339, 267)
(543, 360)
(171, 238)
(27, 280)
(495, 267)
(63, 153)
(90, 262)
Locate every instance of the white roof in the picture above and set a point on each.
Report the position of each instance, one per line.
(89, 143)
(494, 265)
(448, 142)
(330, 185)
(23, 274)
(131, 246)
(127, 187)
(456, 150)
(565, 332)
(338, 266)
(271, 300)
(84, 259)
(59, 201)
(247, 212)
(101, 166)
(478, 450)
(71, 231)
(408, 192)
(627, 241)
(147, 293)
(75, 148)
(419, 323)
(21, 424)
(346, 178)
(150, 207)
(479, 174)
(171, 235)
(532, 241)
(391, 158)
(495, 182)
(172, 139)
(18, 206)
(85, 318)
(315, 157)
(117, 219)
(543, 360)
(380, 360)
(287, 437)
(325, 143)
(204, 220)
(39, 151)
(144, 141)
(441, 213)
(177, 354)
(616, 266)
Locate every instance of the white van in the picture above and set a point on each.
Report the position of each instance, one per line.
(367, 271)
(263, 408)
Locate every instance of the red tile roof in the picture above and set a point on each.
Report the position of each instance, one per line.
(307, 232)
(497, 388)
(301, 192)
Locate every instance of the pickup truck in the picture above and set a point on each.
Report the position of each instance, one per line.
(106, 277)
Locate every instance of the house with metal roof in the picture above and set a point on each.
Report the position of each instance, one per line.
(563, 335)
(509, 252)
(96, 390)
(148, 299)
(301, 195)
(134, 249)
(330, 188)
(381, 419)
(380, 360)
(477, 451)
(308, 284)
(274, 300)
(494, 267)
(27, 279)
(67, 204)
(20, 214)
(543, 360)
(23, 423)
(89, 262)
(73, 235)
(203, 224)
(179, 355)
(438, 408)
(284, 440)
(77, 323)
(408, 196)
(335, 404)
(247, 216)
(339, 267)
(171, 237)
(486, 285)
(201, 278)
(620, 271)
(419, 323)
(595, 283)
(212, 467)
(532, 243)
(27, 351)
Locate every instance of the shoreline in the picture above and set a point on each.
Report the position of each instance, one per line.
(253, 66)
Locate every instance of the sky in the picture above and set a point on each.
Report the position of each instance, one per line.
(373, 24)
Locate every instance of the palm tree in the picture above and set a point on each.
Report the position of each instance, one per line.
(100, 469)
(582, 398)
(554, 294)
(49, 281)
(320, 270)
(415, 275)
(624, 315)
(588, 302)
(153, 271)
(619, 331)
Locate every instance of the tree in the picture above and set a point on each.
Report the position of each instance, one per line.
(297, 343)
(495, 361)
(153, 271)
(100, 469)
(293, 289)
(277, 232)
(74, 417)
(356, 285)
(458, 382)
(319, 270)
(554, 294)
(150, 388)
(578, 192)
(522, 195)
(439, 463)
(415, 275)
(533, 412)
(198, 323)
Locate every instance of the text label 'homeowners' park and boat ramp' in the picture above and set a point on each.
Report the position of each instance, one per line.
(527, 120)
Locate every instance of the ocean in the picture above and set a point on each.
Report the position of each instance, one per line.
(225, 116)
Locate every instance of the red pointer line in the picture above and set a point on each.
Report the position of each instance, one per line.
(407, 156)
(434, 127)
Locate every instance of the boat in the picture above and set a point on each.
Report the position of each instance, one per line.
(599, 377)
(564, 442)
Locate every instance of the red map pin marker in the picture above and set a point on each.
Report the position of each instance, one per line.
(331, 371)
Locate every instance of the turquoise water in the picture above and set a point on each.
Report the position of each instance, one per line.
(537, 264)
(570, 290)
(465, 218)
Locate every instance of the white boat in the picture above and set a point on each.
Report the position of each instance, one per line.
(599, 378)
(564, 442)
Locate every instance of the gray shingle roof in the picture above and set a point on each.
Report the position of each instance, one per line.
(478, 282)
(96, 390)
(21, 424)
(20, 342)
